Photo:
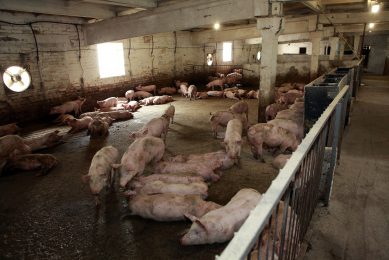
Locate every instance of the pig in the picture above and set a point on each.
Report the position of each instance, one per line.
(142, 94)
(101, 173)
(11, 145)
(201, 95)
(130, 94)
(162, 99)
(178, 83)
(213, 158)
(219, 225)
(233, 139)
(273, 109)
(215, 93)
(290, 114)
(233, 89)
(241, 93)
(294, 127)
(167, 91)
(98, 128)
(289, 97)
(285, 87)
(218, 82)
(167, 178)
(141, 152)
(79, 124)
(132, 106)
(169, 207)
(63, 119)
(9, 129)
(45, 141)
(106, 118)
(31, 162)
(231, 95)
(69, 107)
(160, 187)
(108, 102)
(184, 90)
(299, 86)
(221, 118)
(118, 115)
(272, 136)
(251, 94)
(192, 92)
(233, 78)
(280, 161)
(169, 113)
(240, 107)
(201, 169)
(149, 88)
(157, 127)
(147, 101)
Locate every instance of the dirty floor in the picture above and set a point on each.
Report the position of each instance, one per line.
(355, 226)
(54, 216)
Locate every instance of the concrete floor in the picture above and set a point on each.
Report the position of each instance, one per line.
(356, 224)
(54, 217)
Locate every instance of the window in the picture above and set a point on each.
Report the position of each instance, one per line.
(258, 55)
(227, 51)
(302, 50)
(209, 59)
(111, 59)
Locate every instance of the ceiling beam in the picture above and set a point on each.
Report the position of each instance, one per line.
(358, 28)
(354, 18)
(128, 3)
(178, 16)
(313, 5)
(62, 7)
(340, 2)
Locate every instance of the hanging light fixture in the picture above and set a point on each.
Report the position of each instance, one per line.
(216, 26)
(371, 25)
(375, 7)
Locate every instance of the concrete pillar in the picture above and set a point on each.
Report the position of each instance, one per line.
(341, 49)
(315, 39)
(357, 41)
(270, 28)
(334, 43)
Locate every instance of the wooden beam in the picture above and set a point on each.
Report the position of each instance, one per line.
(358, 28)
(128, 3)
(177, 16)
(62, 7)
(340, 2)
(354, 18)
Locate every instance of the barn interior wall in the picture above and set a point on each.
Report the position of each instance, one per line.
(378, 53)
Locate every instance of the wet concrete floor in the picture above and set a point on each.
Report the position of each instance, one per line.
(54, 216)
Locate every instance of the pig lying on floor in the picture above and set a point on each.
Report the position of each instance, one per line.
(219, 225)
(169, 207)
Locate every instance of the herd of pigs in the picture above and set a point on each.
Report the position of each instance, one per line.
(178, 187)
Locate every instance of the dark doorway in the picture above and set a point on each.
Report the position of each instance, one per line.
(365, 52)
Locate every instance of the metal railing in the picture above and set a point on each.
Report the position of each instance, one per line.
(277, 225)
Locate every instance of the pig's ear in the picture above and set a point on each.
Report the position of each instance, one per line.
(85, 178)
(116, 165)
(191, 217)
(201, 225)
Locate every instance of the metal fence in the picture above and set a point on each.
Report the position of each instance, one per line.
(277, 225)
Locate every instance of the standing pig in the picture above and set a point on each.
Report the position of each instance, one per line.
(79, 124)
(31, 162)
(233, 139)
(130, 94)
(169, 113)
(293, 126)
(142, 94)
(216, 82)
(9, 129)
(178, 83)
(108, 102)
(219, 225)
(69, 107)
(184, 90)
(46, 141)
(192, 92)
(169, 207)
(272, 136)
(273, 109)
(240, 108)
(289, 97)
(98, 128)
(141, 152)
(157, 127)
(221, 118)
(149, 88)
(101, 173)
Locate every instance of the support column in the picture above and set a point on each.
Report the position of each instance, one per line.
(357, 41)
(341, 49)
(315, 39)
(270, 28)
(334, 43)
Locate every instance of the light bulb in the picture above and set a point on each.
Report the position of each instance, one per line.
(375, 8)
(216, 26)
(371, 25)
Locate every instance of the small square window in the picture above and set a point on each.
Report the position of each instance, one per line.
(111, 59)
(303, 50)
(227, 51)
